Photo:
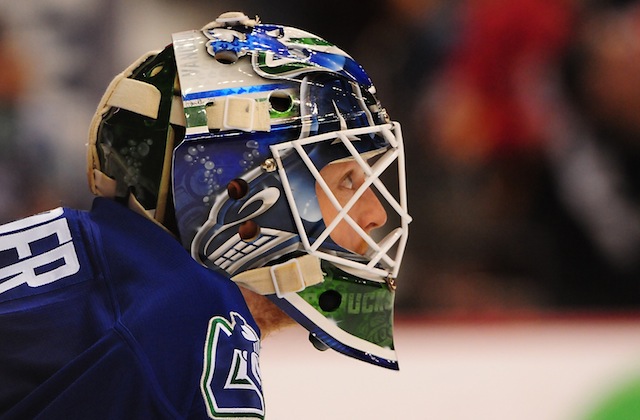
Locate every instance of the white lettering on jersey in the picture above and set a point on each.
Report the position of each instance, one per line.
(57, 261)
(231, 383)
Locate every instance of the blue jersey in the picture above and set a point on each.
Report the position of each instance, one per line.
(104, 315)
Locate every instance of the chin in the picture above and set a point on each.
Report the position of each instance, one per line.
(267, 315)
(360, 248)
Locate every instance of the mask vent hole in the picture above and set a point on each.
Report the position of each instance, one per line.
(330, 300)
(249, 231)
(237, 188)
(280, 101)
(156, 70)
(226, 57)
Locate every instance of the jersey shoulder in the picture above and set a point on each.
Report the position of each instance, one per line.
(124, 294)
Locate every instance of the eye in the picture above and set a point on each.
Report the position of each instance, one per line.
(347, 181)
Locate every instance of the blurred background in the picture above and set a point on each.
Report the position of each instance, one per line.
(521, 122)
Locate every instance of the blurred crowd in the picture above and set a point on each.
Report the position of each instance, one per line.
(521, 122)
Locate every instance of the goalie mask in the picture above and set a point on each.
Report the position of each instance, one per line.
(265, 149)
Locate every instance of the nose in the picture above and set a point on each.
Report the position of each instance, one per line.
(372, 214)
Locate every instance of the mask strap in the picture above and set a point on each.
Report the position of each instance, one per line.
(289, 277)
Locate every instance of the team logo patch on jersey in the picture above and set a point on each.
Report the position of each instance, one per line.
(231, 385)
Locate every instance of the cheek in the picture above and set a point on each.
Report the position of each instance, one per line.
(346, 237)
(343, 234)
(326, 208)
(343, 195)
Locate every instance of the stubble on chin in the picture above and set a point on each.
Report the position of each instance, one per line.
(267, 315)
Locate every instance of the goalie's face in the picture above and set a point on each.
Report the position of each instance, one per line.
(344, 179)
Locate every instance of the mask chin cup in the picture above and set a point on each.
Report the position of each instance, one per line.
(347, 313)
